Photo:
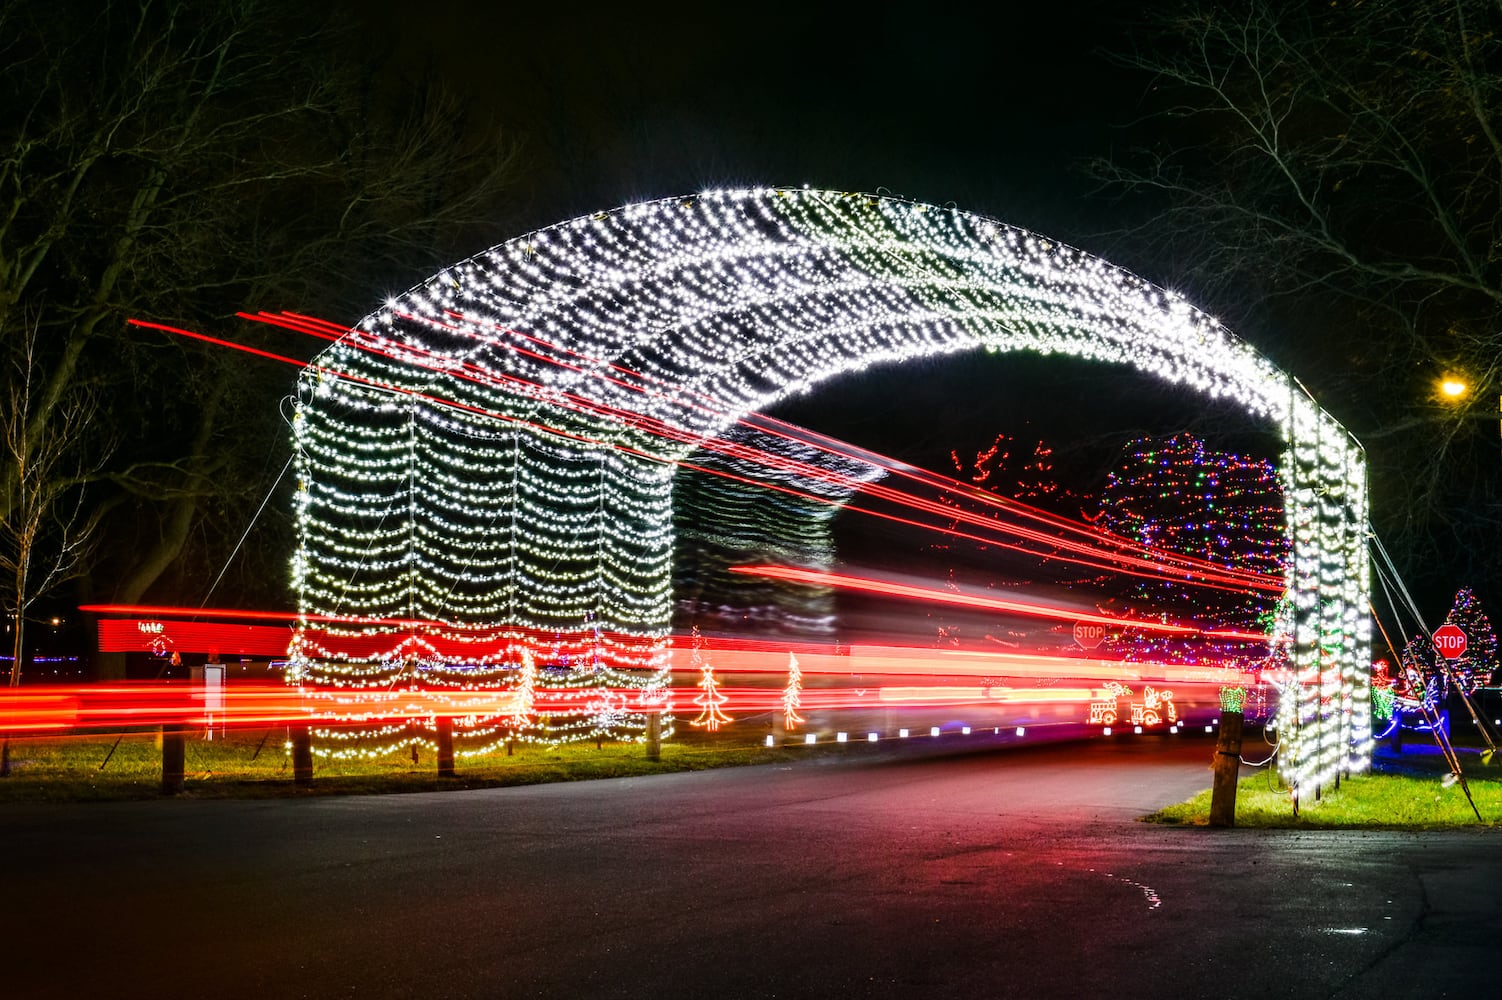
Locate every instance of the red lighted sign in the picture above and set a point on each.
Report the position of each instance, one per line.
(132, 635)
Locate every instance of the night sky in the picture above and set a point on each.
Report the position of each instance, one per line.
(991, 111)
(940, 103)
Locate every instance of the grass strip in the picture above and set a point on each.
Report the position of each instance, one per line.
(248, 764)
(1376, 801)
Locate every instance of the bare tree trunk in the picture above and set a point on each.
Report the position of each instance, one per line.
(15, 680)
(15, 664)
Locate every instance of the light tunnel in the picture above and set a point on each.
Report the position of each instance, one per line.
(487, 462)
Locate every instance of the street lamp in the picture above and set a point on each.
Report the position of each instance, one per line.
(1453, 389)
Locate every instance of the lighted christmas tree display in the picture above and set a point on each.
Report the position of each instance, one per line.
(792, 695)
(1178, 495)
(1479, 663)
(1418, 682)
(711, 718)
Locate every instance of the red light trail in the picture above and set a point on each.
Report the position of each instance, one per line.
(861, 677)
(831, 446)
(460, 644)
(928, 594)
(1101, 550)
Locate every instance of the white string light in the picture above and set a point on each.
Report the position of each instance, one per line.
(493, 452)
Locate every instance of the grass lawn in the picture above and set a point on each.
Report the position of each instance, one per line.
(1397, 795)
(257, 764)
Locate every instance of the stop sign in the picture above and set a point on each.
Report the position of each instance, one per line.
(1088, 634)
(1450, 641)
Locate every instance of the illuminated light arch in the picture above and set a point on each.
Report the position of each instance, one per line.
(494, 450)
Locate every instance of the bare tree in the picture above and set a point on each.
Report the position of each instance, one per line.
(47, 528)
(1329, 177)
(183, 161)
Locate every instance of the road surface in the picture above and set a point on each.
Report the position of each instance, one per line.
(1020, 872)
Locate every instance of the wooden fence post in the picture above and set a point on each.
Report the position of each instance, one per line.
(302, 755)
(654, 735)
(1227, 769)
(445, 746)
(174, 759)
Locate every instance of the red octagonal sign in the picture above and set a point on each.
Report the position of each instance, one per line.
(1089, 634)
(1450, 641)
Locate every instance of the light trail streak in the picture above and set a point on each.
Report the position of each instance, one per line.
(292, 617)
(753, 657)
(838, 680)
(65, 709)
(470, 638)
(1157, 564)
(1152, 560)
(961, 664)
(930, 595)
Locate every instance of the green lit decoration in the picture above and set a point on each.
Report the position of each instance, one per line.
(1232, 699)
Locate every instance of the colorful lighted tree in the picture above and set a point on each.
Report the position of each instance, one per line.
(1479, 663)
(1177, 494)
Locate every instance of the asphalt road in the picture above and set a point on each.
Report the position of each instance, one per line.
(1017, 873)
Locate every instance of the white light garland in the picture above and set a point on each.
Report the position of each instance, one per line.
(495, 449)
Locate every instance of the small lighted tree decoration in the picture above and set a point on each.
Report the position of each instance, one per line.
(526, 691)
(792, 695)
(711, 718)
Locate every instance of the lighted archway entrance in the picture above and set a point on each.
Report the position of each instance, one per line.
(488, 460)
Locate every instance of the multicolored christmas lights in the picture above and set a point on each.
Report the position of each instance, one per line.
(1177, 494)
(495, 449)
(1478, 664)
